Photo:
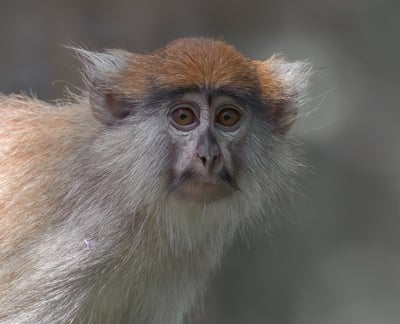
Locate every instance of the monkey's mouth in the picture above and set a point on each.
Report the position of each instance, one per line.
(203, 192)
(204, 189)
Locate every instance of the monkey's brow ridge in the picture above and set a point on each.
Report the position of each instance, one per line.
(168, 93)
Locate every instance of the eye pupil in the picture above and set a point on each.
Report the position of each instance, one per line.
(183, 116)
(228, 117)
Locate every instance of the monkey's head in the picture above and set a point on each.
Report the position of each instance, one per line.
(204, 122)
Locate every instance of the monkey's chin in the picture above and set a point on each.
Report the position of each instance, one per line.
(203, 193)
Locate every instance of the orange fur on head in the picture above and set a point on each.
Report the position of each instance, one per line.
(195, 63)
(200, 63)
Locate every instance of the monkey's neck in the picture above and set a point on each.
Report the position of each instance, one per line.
(159, 274)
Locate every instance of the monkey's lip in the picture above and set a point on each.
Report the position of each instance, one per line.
(202, 187)
(203, 192)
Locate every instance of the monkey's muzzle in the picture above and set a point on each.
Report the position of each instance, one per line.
(204, 189)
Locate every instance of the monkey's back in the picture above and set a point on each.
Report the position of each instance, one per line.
(38, 141)
(35, 140)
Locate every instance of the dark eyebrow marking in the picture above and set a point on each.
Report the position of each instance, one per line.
(242, 96)
(245, 97)
(159, 95)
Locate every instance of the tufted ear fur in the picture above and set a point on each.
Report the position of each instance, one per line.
(291, 81)
(101, 74)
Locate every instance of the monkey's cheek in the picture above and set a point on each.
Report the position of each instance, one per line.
(204, 193)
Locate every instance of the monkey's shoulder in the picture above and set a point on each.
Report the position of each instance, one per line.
(23, 113)
(18, 108)
(31, 127)
(11, 105)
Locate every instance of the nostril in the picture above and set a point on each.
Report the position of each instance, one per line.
(216, 159)
(211, 161)
(202, 159)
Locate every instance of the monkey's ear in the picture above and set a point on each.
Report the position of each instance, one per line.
(283, 86)
(102, 72)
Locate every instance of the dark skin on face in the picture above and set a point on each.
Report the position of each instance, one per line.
(204, 128)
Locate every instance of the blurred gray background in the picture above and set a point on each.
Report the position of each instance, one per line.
(336, 259)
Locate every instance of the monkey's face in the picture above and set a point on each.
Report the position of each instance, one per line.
(204, 129)
(199, 119)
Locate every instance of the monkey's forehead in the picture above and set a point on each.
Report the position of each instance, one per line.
(199, 63)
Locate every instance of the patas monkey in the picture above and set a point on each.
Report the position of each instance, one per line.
(115, 208)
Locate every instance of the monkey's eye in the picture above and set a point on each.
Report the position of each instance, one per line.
(183, 116)
(228, 117)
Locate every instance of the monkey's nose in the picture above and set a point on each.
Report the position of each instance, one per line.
(209, 161)
(208, 152)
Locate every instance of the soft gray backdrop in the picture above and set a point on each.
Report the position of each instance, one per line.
(336, 260)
